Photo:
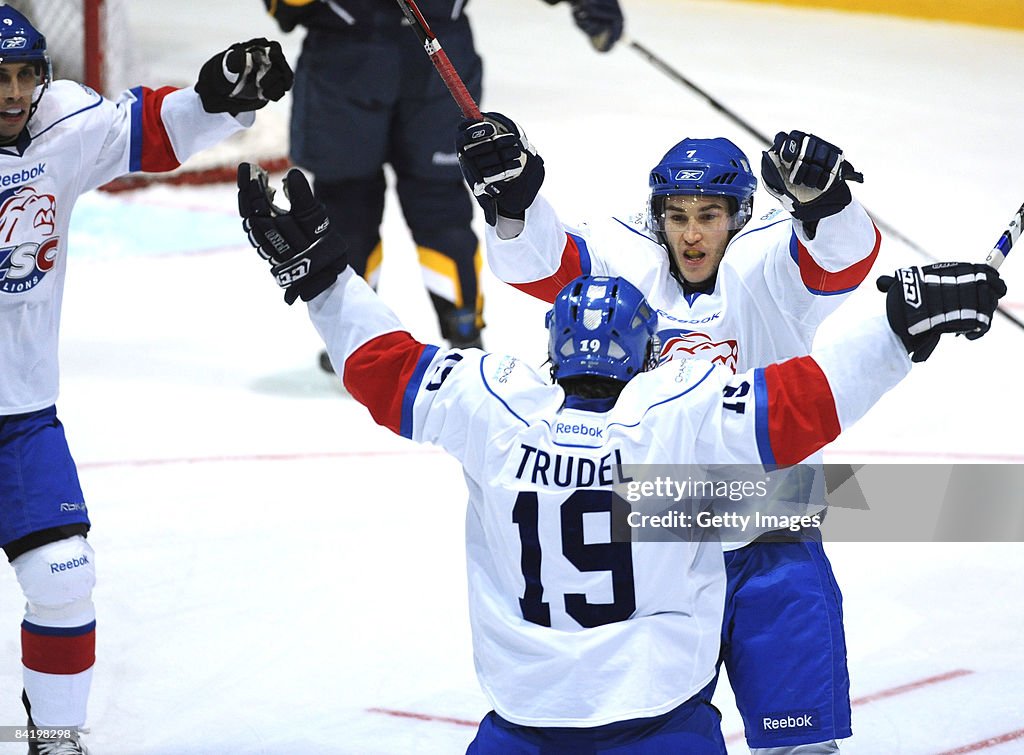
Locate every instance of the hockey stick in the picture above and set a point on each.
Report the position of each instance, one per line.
(1007, 240)
(440, 60)
(1009, 237)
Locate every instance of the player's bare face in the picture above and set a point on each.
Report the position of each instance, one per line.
(17, 84)
(697, 229)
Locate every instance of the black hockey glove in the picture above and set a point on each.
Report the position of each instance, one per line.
(808, 175)
(922, 303)
(304, 259)
(244, 77)
(503, 170)
(601, 20)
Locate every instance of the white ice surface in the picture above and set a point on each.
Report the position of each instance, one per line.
(273, 567)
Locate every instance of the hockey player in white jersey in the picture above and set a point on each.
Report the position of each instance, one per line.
(585, 643)
(738, 290)
(59, 139)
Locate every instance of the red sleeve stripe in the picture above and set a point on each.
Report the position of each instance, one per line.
(575, 262)
(799, 415)
(384, 375)
(823, 283)
(151, 149)
(58, 650)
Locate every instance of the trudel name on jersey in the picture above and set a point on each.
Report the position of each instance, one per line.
(563, 470)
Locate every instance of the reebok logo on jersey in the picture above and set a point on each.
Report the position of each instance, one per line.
(22, 176)
(783, 722)
(71, 564)
(586, 430)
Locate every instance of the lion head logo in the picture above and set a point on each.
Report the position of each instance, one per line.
(696, 345)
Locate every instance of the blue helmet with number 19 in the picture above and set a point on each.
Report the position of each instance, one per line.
(21, 42)
(603, 327)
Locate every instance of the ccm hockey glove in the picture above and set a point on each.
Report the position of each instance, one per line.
(808, 175)
(304, 259)
(922, 303)
(244, 77)
(503, 170)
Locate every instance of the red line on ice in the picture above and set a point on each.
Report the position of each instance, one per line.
(252, 457)
(952, 455)
(423, 716)
(891, 692)
(986, 743)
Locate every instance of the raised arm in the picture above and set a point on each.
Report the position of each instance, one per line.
(793, 408)
(834, 243)
(404, 383)
(528, 246)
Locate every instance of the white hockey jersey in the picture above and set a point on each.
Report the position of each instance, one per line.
(774, 288)
(571, 628)
(79, 141)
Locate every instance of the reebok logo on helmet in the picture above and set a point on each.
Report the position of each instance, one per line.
(689, 175)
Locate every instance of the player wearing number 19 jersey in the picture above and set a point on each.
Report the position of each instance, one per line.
(739, 291)
(584, 641)
(571, 629)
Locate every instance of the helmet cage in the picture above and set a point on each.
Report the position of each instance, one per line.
(602, 327)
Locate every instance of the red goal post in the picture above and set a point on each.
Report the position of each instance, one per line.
(92, 41)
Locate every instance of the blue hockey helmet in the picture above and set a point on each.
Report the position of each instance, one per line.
(601, 326)
(712, 167)
(21, 42)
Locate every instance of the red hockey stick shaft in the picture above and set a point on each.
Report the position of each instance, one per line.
(440, 60)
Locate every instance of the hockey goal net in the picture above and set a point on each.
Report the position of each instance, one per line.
(92, 41)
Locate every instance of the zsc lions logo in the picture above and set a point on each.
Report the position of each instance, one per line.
(680, 344)
(28, 248)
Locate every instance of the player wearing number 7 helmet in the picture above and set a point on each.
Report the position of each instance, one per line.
(740, 289)
(58, 140)
(582, 638)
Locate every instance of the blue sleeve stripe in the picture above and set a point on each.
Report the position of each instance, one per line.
(585, 264)
(58, 631)
(764, 445)
(135, 150)
(412, 388)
